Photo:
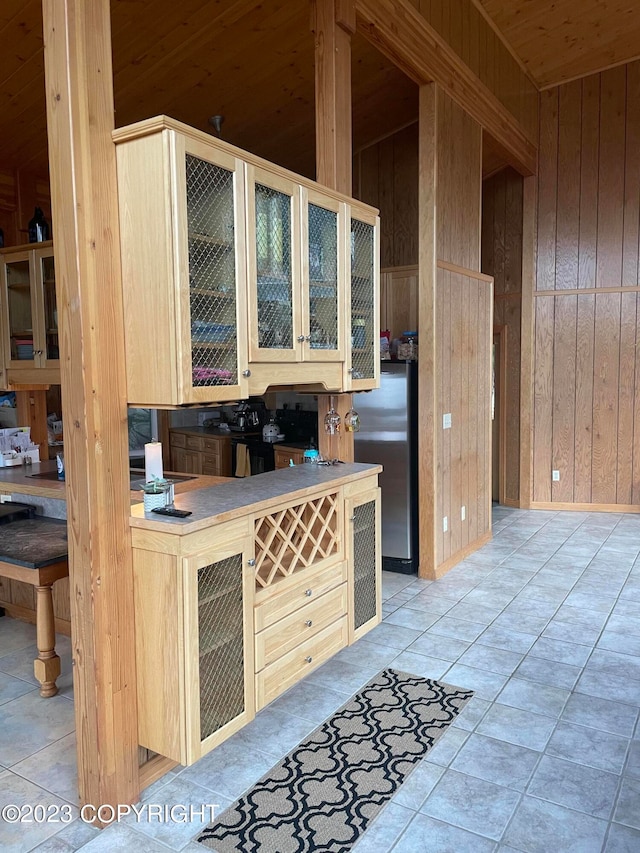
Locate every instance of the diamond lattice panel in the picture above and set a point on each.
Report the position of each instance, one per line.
(323, 278)
(362, 301)
(294, 538)
(364, 562)
(220, 629)
(273, 253)
(212, 273)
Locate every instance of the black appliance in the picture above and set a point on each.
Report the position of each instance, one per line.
(261, 455)
(298, 426)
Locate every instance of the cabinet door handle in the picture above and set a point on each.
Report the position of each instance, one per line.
(251, 562)
(300, 339)
(309, 659)
(308, 592)
(246, 373)
(309, 623)
(350, 370)
(307, 338)
(352, 518)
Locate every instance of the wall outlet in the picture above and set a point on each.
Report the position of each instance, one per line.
(555, 476)
(446, 421)
(463, 512)
(445, 524)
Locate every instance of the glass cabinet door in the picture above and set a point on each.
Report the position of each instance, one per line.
(323, 262)
(20, 311)
(276, 329)
(211, 207)
(364, 334)
(50, 310)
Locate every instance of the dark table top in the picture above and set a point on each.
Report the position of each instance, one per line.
(34, 542)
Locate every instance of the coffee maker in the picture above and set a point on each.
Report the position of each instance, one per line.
(246, 417)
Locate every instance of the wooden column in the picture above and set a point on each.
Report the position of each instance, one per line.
(427, 363)
(32, 412)
(527, 333)
(333, 23)
(80, 119)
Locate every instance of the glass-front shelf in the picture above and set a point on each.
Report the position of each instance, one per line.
(20, 314)
(274, 266)
(323, 278)
(363, 334)
(212, 273)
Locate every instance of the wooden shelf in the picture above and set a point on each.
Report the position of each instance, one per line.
(219, 642)
(20, 285)
(212, 345)
(214, 294)
(217, 594)
(212, 241)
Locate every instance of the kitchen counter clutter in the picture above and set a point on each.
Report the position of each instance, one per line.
(266, 580)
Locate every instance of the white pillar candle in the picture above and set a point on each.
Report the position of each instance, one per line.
(153, 461)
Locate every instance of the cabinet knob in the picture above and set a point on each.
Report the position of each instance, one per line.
(352, 518)
(251, 562)
(350, 370)
(309, 623)
(300, 339)
(308, 592)
(309, 659)
(307, 338)
(246, 373)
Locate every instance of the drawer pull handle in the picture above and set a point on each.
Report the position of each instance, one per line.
(309, 623)
(251, 562)
(308, 592)
(309, 659)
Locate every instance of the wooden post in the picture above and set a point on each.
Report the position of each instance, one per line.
(427, 364)
(80, 120)
(333, 23)
(32, 412)
(527, 334)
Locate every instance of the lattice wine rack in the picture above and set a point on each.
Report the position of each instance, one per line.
(296, 537)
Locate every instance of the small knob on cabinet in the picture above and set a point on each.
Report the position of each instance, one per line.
(251, 562)
(246, 373)
(300, 339)
(309, 659)
(307, 338)
(308, 592)
(350, 370)
(309, 623)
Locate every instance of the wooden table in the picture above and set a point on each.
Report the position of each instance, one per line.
(34, 551)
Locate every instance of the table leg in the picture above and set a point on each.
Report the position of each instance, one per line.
(46, 667)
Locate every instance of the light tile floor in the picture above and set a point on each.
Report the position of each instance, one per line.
(543, 623)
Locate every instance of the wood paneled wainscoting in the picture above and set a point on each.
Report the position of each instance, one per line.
(587, 344)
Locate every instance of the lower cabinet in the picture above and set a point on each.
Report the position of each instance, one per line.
(231, 616)
(192, 453)
(283, 454)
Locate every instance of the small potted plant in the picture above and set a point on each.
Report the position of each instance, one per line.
(155, 493)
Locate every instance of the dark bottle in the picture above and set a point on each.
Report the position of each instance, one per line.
(1, 238)
(38, 227)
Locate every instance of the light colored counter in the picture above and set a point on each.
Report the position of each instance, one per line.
(213, 506)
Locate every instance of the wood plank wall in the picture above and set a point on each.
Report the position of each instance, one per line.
(20, 193)
(385, 175)
(502, 259)
(463, 341)
(587, 344)
(462, 25)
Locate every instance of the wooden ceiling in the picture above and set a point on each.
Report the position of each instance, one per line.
(196, 58)
(559, 40)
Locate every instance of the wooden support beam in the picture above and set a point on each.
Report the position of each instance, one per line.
(399, 31)
(427, 364)
(32, 412)
(80, 118)
(332, 23)
(527, 337)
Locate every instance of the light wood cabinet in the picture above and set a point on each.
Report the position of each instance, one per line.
(191, 453)
(244, 274)
(195, 612)
(283, 454)
(29, 314)
(241, 611)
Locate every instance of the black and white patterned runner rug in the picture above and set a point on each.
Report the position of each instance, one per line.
(326, 791)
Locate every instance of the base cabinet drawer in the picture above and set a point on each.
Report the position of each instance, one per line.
(289, 595)
(291, 667)
(285, 635)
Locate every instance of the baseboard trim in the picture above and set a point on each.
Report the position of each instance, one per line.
(634, 508)
(63, 626)
(152, 770)
(456, 558)
(510, 503)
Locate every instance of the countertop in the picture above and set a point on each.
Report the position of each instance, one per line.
(210, 506)
(34, 542)
(16, 480)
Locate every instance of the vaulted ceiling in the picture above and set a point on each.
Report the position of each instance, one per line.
(559, 40)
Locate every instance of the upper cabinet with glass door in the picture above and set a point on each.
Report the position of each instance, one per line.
(363, 353)
(184, 274)
(236, 273)
(30, 316)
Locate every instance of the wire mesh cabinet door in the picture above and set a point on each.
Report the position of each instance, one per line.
(362, 365)
(219, 664)
(365, 562)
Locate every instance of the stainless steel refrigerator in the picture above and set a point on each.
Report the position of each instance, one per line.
(389, 436)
